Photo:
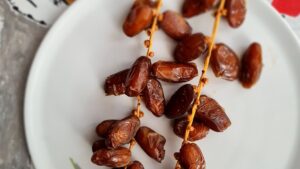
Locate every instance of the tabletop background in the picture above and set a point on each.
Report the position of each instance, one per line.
(19, 40)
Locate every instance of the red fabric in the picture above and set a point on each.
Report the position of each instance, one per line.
(288, 7)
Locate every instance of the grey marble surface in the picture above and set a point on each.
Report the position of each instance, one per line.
(19, 41)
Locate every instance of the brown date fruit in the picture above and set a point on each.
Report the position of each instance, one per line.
(199, 130)
(236, 12)
(180, 102)
(194, 7)
(190, 157)
(175, 25)
(138, 76)
(174, 72)
(151, 142)
(134, 165)
(122, 131)
(212, 114)
(97, 145)
(115, 84)
(138, 19)
(224, 62)
(104, 127)
(118, 157)
(251, 65)
(153, 96)
(191, 47)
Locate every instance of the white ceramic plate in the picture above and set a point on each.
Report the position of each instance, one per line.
(65, 98)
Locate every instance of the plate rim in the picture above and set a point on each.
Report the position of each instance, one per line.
(48, 38)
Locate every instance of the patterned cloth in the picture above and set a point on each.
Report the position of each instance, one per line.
(290, 10)
(45, 12)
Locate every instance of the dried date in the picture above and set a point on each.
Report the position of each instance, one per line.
(151, 142)
(224, 62)
(121, 132)
(138, 76)
(180, 102)
(236, 12)
(212, 114)
(191, 47)
(251, 65)
(133, 165)
(175, 25)
(154, 98)
(115, 84)
(194, 7)
(174, 72)
(198, 131)
(190, 157)
(118, 157)
(138, 19)
(104, 127)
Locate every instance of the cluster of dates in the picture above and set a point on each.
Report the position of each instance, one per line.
(142, 79)
(108, 151)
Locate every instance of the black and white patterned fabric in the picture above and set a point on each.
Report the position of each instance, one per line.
(43, 12)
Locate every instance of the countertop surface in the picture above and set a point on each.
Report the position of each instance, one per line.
(19, 40)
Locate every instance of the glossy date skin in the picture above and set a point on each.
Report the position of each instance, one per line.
(174, 72)
(251, 65)
(153, 96)
(212, 114)
(180, 102)
(103, 128)
(115, 158)
(224, 62)
(175, 25)
(122, 131)
(115, 83)
(151, 142)
(138, 19)
(236, 12)
(138, 76)
(190, 48)
(190, 157)
(134, 165)
(191, 8)
(199, 130)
